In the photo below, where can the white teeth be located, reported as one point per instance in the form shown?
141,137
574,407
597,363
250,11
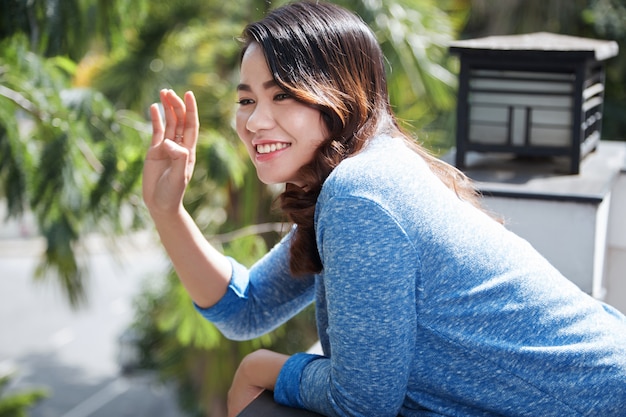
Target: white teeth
271,147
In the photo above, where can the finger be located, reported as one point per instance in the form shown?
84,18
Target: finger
157,125
180,108
192,125
178,112
168,111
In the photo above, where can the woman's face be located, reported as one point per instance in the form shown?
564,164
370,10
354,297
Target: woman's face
280,133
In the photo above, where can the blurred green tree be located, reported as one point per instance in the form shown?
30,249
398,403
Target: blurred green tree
76,76
16,404
608,20
66,153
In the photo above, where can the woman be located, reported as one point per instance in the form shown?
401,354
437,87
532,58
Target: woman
425,305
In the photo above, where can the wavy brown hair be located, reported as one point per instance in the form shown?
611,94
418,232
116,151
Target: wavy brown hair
328,58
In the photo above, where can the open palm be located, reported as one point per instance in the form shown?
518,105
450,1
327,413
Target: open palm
171,157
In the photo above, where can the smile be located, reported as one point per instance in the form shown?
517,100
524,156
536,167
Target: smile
271,147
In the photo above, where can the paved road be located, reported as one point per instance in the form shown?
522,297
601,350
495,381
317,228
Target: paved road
74,353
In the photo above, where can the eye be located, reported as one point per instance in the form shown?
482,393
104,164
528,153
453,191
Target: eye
282,96
244,101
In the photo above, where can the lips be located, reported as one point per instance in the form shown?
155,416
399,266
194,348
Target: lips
266,148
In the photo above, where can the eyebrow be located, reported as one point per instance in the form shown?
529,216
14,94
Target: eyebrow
266,85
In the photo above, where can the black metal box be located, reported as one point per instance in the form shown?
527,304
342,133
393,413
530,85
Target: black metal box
539,94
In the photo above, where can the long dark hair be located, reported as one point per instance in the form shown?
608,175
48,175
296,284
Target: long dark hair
327,57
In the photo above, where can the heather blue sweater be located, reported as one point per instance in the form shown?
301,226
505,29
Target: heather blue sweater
426,306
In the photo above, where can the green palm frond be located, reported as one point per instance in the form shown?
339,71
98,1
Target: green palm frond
68,156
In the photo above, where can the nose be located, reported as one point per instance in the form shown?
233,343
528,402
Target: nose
261,118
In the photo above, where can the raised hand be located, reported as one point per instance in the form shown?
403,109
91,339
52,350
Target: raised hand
171,157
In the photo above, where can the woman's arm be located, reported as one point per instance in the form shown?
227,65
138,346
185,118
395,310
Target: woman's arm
242,303
168,167
262,297
370,273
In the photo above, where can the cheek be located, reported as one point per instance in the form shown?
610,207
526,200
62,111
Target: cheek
311,121
240,125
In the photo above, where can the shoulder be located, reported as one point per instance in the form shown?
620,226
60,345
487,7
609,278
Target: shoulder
386,183
393,181
382,167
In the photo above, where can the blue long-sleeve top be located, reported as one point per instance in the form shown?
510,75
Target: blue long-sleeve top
426,306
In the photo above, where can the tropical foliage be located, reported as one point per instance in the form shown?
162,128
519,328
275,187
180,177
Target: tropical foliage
77,76
16,404
67,154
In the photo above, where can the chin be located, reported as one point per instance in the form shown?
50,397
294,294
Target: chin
268,181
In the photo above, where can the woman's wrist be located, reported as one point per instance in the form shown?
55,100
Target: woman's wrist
168,217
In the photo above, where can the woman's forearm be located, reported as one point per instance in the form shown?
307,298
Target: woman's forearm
202,269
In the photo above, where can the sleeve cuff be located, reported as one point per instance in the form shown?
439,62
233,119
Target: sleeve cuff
228,304
287,388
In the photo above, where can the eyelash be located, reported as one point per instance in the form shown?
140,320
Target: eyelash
282,96
277,97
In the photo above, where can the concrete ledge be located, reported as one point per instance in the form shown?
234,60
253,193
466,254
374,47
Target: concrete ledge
543,178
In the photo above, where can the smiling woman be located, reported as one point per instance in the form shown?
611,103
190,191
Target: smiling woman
425,304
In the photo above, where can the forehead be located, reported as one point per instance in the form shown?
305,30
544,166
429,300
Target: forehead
253,63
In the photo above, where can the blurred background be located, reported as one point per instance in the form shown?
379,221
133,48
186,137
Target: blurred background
92,320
